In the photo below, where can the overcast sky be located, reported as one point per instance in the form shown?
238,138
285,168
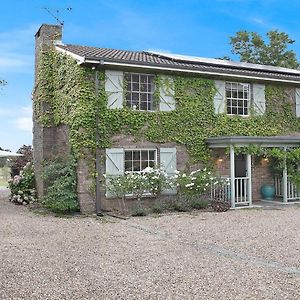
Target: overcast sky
190,27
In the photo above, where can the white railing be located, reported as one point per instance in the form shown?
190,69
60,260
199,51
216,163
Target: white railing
223,190
241,190
292,191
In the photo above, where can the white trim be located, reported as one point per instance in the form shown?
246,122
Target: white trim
192,71
232,177
141,149
80,59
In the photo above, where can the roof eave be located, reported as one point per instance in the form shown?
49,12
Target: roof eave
88,60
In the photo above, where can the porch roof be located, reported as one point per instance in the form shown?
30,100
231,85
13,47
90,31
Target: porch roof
244,141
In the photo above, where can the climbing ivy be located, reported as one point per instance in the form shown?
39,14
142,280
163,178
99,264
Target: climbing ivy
66,95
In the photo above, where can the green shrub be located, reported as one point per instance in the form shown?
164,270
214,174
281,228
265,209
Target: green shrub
180,206
61,196
139,211
199,203
158,208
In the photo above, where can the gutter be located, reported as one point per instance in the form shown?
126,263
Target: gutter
181,70
89,60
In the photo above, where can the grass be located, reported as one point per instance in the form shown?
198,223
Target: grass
3,182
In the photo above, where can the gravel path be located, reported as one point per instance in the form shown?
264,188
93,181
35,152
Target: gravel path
243,254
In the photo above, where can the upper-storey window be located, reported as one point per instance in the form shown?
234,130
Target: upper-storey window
238,98
140,91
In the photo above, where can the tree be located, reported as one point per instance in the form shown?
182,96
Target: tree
17,163
3,159
252,48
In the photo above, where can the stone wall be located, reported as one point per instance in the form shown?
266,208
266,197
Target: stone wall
48,142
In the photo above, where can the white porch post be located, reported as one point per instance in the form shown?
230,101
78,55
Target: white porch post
232,177
285,181
249,175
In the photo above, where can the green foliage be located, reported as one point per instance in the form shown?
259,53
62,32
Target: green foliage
158,208
66,95
251,47
60,176
139,211
22,187
197,203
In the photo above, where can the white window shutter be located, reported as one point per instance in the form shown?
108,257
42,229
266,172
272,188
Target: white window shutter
166,92
220,97
297,90
114,164
168,163
259,99
114,88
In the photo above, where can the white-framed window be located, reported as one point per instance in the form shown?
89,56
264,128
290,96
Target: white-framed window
136,160
140,91
120,160
238,97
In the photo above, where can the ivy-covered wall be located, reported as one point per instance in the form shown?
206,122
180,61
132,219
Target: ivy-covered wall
68,91
66,94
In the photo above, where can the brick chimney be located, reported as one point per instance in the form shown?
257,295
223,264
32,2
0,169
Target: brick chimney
47,141
46,36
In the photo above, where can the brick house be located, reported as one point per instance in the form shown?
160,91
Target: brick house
131,84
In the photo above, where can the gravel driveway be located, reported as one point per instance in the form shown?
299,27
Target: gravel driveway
242,254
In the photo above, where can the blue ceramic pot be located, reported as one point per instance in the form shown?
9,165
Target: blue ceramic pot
267,192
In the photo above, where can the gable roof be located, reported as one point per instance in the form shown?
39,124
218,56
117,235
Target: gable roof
179,63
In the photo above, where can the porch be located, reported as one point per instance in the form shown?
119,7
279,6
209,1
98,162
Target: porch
243,180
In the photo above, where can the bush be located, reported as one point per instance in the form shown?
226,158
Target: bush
199,203
22,186
180,206
158,208
139,211
61,196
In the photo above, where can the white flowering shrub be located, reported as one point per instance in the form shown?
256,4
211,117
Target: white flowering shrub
197,182
22,186
136,184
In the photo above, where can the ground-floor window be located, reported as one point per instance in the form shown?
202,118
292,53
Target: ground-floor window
138,160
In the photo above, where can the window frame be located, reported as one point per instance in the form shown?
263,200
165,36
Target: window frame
237,99
139,91
141,149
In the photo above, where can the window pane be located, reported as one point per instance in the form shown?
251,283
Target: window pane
136,155
135,87
151,154
143,87
143,106
144,97
143,78
240,111
135,96
144,164
135,78
128,155
128,165
144,154
136,166
234,111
